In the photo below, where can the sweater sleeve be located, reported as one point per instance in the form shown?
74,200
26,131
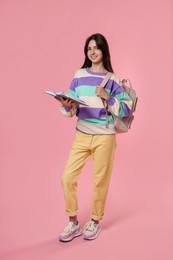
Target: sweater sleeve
119,103
70,112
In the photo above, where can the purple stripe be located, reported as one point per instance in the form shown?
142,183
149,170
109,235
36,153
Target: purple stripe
89,81
87,112
67,109
116,89
127,110
111,101
74,84
96,81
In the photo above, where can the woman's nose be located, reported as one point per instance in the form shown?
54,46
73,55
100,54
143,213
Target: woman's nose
92,51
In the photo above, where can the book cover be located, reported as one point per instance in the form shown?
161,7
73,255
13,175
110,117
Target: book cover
66,96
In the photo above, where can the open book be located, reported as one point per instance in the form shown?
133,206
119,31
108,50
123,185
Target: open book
66,96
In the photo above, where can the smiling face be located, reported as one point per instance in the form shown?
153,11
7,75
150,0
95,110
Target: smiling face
94,53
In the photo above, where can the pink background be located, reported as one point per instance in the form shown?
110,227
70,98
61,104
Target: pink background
41,46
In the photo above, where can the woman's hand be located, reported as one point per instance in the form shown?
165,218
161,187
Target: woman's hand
68,103
101,92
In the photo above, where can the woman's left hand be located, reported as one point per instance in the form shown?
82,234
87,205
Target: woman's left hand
101,92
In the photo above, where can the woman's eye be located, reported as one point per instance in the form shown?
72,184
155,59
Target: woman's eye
95,48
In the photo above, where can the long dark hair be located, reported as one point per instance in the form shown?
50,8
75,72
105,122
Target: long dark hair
103,46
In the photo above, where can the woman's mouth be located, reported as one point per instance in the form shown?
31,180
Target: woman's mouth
93,57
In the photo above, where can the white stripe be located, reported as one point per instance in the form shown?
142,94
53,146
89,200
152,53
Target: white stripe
115,108
93,102
83,73
94,129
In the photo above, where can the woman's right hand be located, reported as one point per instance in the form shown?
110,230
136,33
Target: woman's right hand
68,103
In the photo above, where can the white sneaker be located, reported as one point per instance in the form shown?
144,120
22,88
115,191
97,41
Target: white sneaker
71,231
92,230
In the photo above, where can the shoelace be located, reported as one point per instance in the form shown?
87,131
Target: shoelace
68,227
90,226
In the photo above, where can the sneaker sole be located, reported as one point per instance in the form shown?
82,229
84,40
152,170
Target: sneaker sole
94,237
72,237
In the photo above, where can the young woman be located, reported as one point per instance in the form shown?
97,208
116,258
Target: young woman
92,138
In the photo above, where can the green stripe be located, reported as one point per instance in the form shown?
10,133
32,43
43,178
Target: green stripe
86,90
123,96
72,93
101,121
121,112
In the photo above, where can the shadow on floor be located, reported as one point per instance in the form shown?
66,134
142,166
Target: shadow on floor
44,250
116,218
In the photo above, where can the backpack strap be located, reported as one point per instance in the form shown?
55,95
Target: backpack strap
104,82
106,79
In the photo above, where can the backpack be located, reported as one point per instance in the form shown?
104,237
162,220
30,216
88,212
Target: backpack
122,125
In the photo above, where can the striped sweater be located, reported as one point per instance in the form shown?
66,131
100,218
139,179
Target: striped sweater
92,118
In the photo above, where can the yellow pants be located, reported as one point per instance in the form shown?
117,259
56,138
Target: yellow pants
101,148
